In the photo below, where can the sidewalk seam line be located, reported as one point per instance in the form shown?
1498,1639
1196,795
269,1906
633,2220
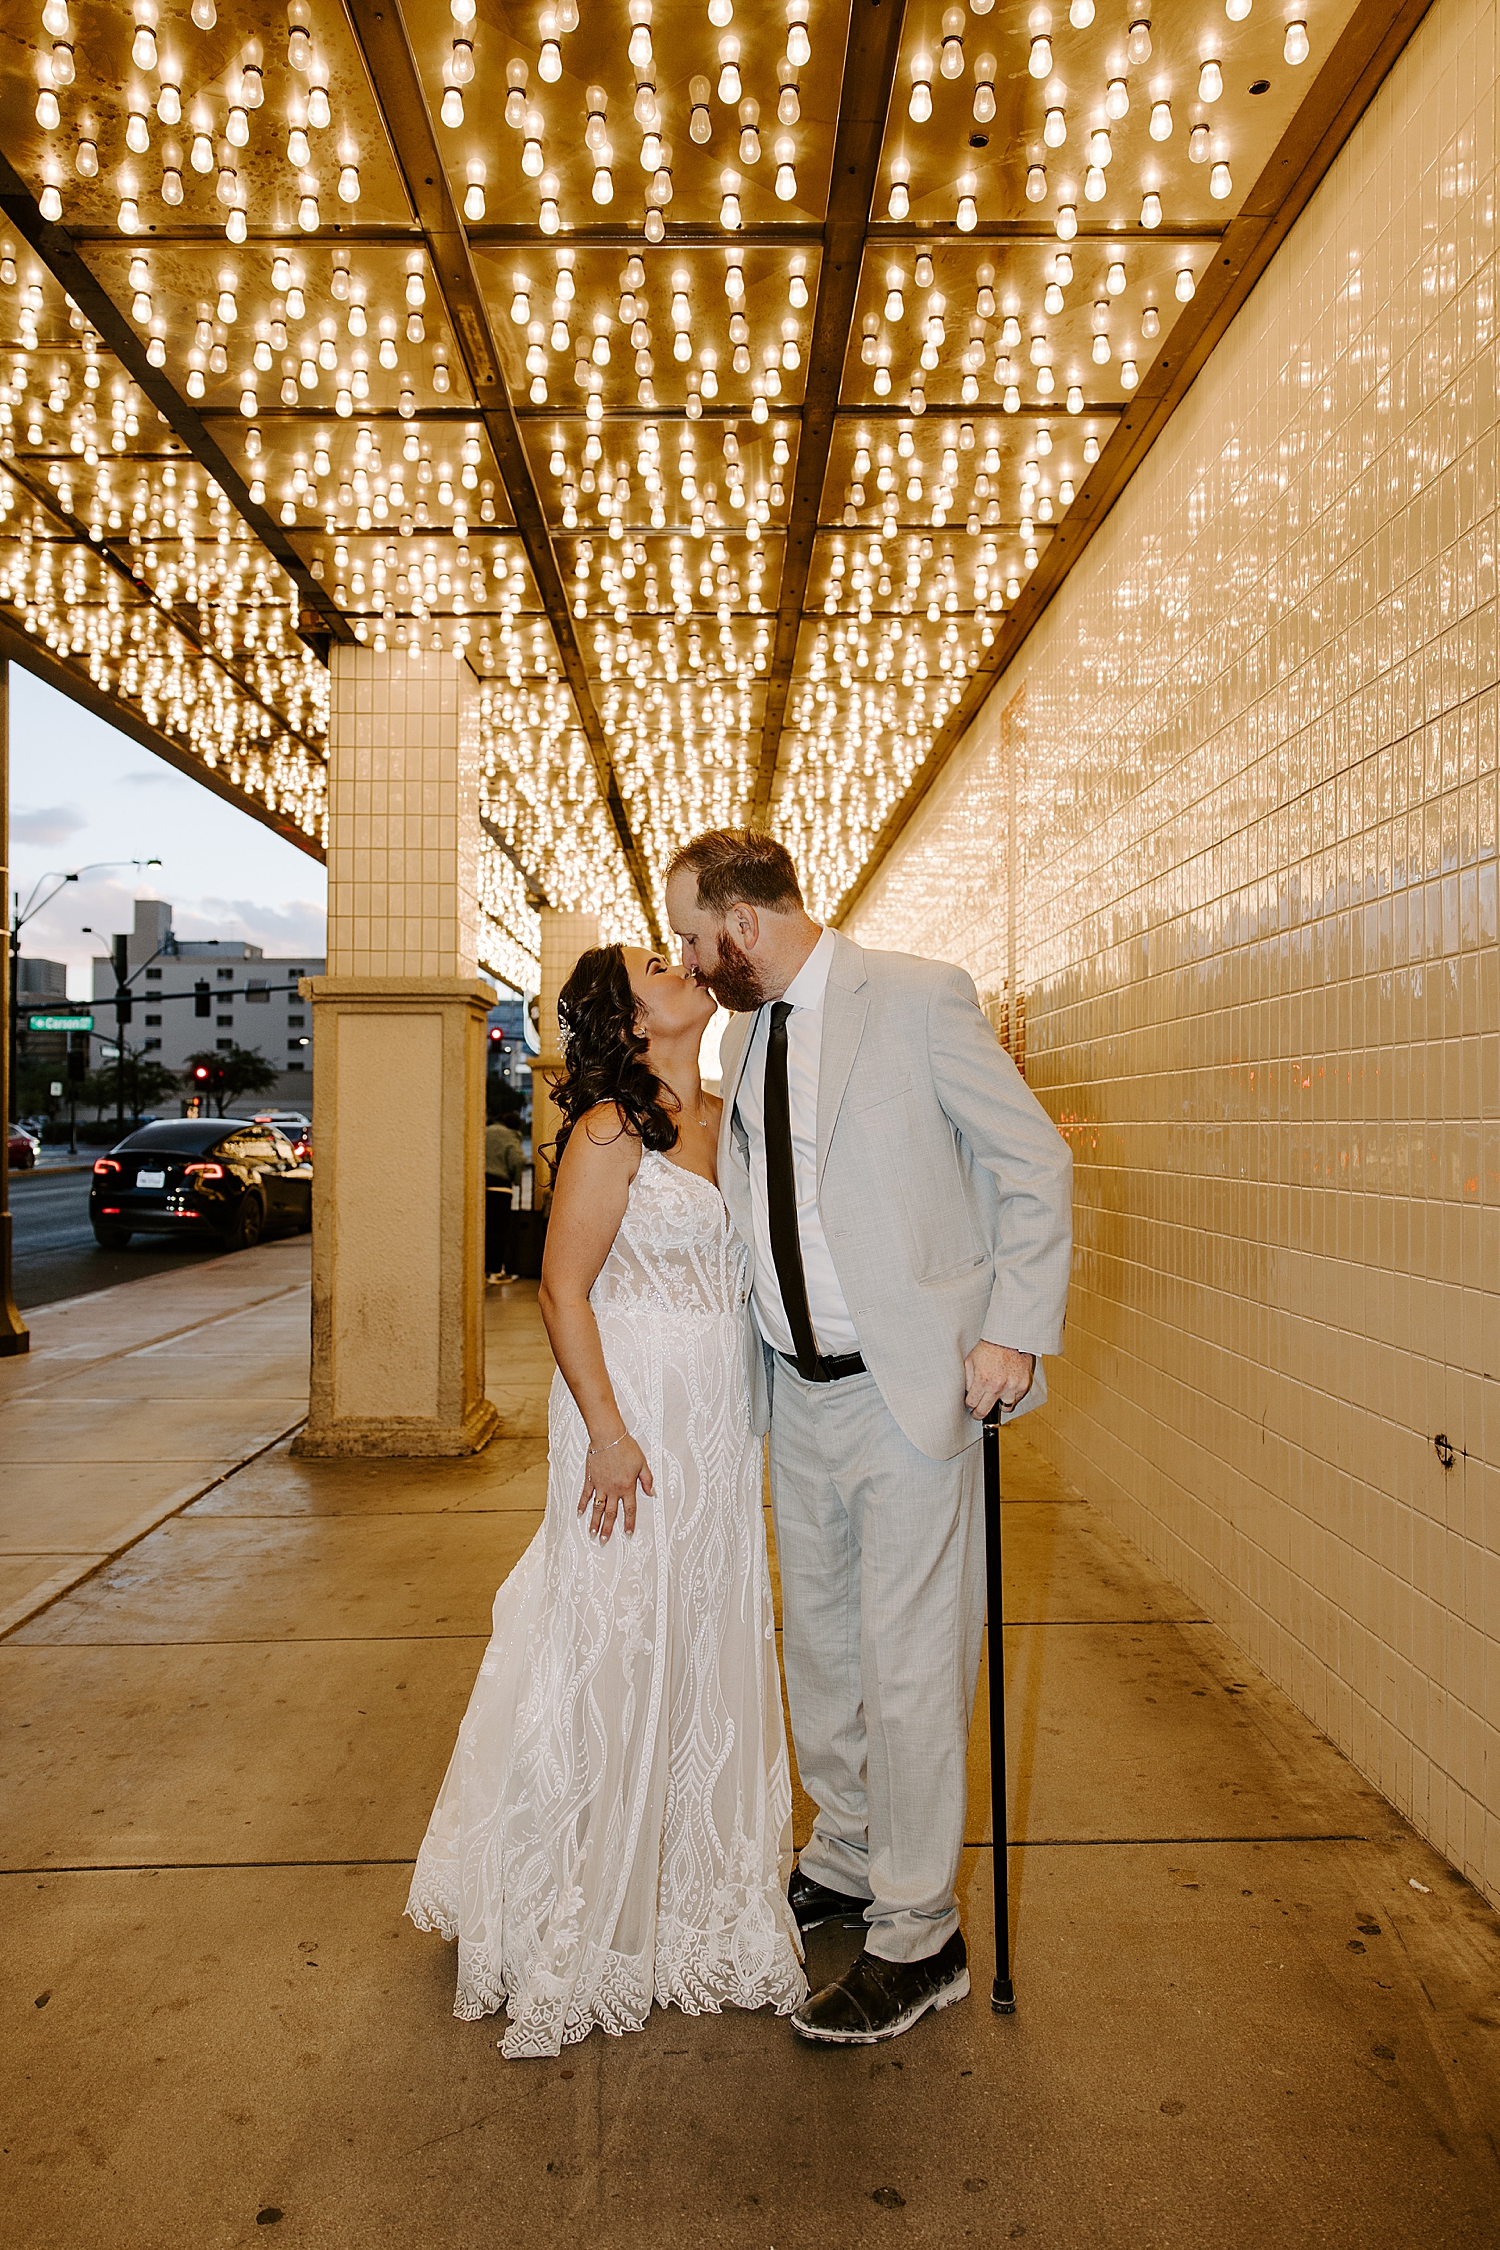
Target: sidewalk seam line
125,1546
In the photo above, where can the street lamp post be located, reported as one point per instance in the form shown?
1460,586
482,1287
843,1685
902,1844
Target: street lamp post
59,878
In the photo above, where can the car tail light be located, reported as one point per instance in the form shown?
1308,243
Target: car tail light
204,1171
106,1164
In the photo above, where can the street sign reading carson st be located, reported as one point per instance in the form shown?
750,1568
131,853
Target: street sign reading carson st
60,1023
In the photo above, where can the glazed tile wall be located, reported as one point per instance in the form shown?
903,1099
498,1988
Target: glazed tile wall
403,845
1255,932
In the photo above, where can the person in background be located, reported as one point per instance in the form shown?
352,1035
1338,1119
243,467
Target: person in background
502,1176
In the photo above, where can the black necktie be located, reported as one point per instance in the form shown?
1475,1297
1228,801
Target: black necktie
781,1194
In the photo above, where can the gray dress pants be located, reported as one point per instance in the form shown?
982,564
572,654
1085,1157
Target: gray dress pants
882,1589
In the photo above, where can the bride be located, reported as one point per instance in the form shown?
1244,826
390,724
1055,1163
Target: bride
615,1823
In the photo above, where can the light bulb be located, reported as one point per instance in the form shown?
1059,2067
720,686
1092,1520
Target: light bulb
349,184
236,128
1128,375
205,14
1101,351
984,100
129,218
1094,184
604,186
143,47
531,159
1039,61
1198,145
1186,285
951,60
1075,406
1236,10
786,184
1052,301
1114,280
1138,45
62,64
48,115
1055,130
1100,147
234,225
1091,450
1151,210
452,110
1161,121
318,111
169,104
1220,182
87,161
919,108
729,212
548,218
462,62
798,46
1150,321
968,216
1067,222
55,18
720,12
1296,46
50,205
298,154
307,214
1081,14
899,202
1117,99
1210,82
1036,184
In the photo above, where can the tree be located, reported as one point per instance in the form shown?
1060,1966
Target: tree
222,1074
146,1083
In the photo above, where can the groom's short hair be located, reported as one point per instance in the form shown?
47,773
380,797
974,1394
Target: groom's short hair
738,865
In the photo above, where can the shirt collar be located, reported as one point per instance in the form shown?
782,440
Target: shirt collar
811,981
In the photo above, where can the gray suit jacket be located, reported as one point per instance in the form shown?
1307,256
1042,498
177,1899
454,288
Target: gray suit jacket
945,1189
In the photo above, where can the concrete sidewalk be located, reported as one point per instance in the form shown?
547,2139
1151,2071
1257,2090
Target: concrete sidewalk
1256,2011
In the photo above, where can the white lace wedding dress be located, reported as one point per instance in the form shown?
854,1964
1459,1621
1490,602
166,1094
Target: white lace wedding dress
615,1823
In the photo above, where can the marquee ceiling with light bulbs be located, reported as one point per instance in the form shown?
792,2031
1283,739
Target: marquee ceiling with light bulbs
729,385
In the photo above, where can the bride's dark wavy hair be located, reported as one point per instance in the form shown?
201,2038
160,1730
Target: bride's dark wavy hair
604,1054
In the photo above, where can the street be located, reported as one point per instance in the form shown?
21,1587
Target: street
55,1255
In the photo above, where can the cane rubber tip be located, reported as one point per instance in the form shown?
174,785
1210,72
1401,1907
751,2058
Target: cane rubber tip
1002,1997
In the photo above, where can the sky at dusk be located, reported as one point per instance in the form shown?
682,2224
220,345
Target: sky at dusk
81,793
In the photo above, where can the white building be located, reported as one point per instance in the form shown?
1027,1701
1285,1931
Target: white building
251,1001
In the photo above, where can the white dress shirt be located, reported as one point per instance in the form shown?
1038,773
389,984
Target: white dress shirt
832,1327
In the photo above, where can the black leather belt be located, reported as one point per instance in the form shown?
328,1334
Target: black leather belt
826,1370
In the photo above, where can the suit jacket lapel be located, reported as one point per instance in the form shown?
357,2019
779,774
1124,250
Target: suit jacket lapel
733,1049
846,1003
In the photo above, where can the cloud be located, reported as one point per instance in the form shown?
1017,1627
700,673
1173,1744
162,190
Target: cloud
296,925
47,824
147,778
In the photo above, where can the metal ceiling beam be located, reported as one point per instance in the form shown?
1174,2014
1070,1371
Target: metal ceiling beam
55,246
396,84
59,673
864,100
1343,89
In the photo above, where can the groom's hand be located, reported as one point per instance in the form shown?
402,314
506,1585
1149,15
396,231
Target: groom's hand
994,1371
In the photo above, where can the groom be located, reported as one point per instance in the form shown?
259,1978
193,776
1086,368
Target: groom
907,1205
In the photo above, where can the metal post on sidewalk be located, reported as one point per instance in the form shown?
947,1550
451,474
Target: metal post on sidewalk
1002,1995
14,1335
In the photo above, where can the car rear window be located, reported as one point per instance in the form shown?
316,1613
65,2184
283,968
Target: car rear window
180,1136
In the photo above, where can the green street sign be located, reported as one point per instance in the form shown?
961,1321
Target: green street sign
60,1023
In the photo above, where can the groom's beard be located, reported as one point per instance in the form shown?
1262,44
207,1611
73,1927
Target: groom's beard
733,981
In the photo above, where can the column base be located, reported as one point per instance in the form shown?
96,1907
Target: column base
397,1437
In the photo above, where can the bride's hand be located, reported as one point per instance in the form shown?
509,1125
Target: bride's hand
610,1477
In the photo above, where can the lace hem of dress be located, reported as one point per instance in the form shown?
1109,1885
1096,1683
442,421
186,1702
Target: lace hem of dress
749,1962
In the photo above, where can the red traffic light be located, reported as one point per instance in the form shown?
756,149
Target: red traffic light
200,1073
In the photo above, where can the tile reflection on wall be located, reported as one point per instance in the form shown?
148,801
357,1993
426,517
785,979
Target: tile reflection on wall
1256,940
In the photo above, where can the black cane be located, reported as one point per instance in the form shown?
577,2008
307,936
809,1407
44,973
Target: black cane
1003,1995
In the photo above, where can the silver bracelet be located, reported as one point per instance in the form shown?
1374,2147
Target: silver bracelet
620,1440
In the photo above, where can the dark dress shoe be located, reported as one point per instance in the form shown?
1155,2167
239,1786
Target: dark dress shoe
813,1904
881,1999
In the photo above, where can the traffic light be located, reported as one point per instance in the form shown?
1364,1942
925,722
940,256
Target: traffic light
123,1006
202,1003
78,1057
200,1075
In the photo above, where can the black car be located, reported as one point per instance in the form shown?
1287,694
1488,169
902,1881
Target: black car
221,1177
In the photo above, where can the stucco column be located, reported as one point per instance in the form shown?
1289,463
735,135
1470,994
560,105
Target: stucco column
398,1064
564,936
